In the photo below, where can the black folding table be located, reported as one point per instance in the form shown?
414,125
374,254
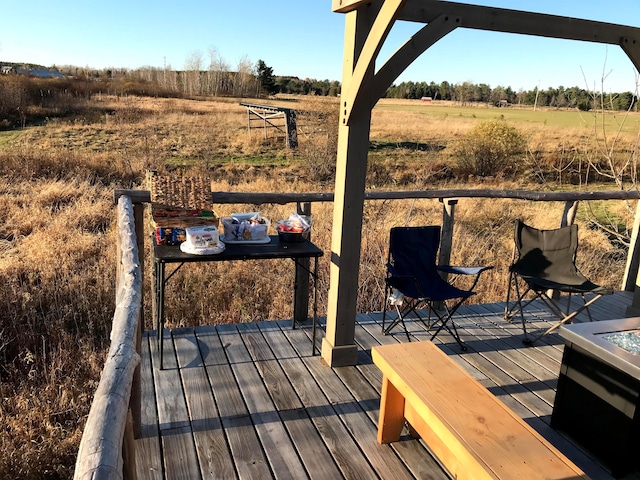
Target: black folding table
275,249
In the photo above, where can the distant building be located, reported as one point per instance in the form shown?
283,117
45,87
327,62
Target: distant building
426,99
40,73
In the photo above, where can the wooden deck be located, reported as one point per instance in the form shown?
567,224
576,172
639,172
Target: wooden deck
249,401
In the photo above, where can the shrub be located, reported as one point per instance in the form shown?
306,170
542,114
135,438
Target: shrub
490,149
318,135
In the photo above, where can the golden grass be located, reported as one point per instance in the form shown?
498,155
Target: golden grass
57,254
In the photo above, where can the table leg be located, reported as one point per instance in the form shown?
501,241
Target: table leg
160,321
296,279
315,305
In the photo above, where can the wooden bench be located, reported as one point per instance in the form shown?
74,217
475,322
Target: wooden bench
472,433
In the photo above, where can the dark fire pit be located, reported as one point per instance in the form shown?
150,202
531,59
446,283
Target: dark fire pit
599,390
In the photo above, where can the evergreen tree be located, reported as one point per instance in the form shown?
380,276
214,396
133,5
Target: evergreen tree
267,80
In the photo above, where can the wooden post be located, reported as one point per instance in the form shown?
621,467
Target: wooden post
301,301
446,236
630,279
338,346
568,218
292,129
135,402
129,450
569,213
366,28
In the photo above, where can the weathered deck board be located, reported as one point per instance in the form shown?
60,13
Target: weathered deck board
346,458
246,451
211,446
148,445
249,401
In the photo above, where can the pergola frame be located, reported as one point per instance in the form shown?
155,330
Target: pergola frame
367,25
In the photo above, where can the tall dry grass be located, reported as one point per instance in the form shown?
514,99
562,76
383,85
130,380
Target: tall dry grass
57,255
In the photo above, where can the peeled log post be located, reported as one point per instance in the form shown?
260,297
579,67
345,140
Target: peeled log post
569,213
446,236
101,448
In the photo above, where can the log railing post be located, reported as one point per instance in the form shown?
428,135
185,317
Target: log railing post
301,290
129,450
568,217
569,213
630,279
446,235
135,402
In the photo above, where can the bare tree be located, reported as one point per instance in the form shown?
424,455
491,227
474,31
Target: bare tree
218,73
193,67
611,156
245,77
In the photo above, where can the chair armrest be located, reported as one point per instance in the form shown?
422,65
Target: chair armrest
463,270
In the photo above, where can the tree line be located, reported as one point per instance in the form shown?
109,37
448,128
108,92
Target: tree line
559,97
248,79
214,76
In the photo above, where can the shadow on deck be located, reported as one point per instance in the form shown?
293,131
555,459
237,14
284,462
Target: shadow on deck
249,400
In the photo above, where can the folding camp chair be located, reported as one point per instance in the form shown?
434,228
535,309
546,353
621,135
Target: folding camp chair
543,262
413,280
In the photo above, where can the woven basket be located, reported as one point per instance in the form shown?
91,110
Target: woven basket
189,193
180,202
184,222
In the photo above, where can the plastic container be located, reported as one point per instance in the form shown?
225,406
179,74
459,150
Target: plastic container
293,236
295,229
245,227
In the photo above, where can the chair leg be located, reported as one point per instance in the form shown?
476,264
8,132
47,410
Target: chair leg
399,319
507,315
510,312
385,301
586,307
563,318
444,321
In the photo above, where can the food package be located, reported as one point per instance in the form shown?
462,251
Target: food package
294,229
203,236
170,235
245,227
295,224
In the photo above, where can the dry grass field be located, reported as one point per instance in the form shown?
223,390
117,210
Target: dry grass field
57,229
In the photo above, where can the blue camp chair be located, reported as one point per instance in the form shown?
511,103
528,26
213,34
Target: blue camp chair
414,281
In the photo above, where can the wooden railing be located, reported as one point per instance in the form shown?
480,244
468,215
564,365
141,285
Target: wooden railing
107,446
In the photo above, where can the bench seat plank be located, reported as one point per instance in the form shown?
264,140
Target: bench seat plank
467,428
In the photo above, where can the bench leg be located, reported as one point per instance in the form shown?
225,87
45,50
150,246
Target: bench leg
391,413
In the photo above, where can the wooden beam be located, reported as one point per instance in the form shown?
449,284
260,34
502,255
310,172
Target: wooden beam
346,6
411,50
358,90
631,46
517,21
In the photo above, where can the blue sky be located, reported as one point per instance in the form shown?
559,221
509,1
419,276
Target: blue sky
304,38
